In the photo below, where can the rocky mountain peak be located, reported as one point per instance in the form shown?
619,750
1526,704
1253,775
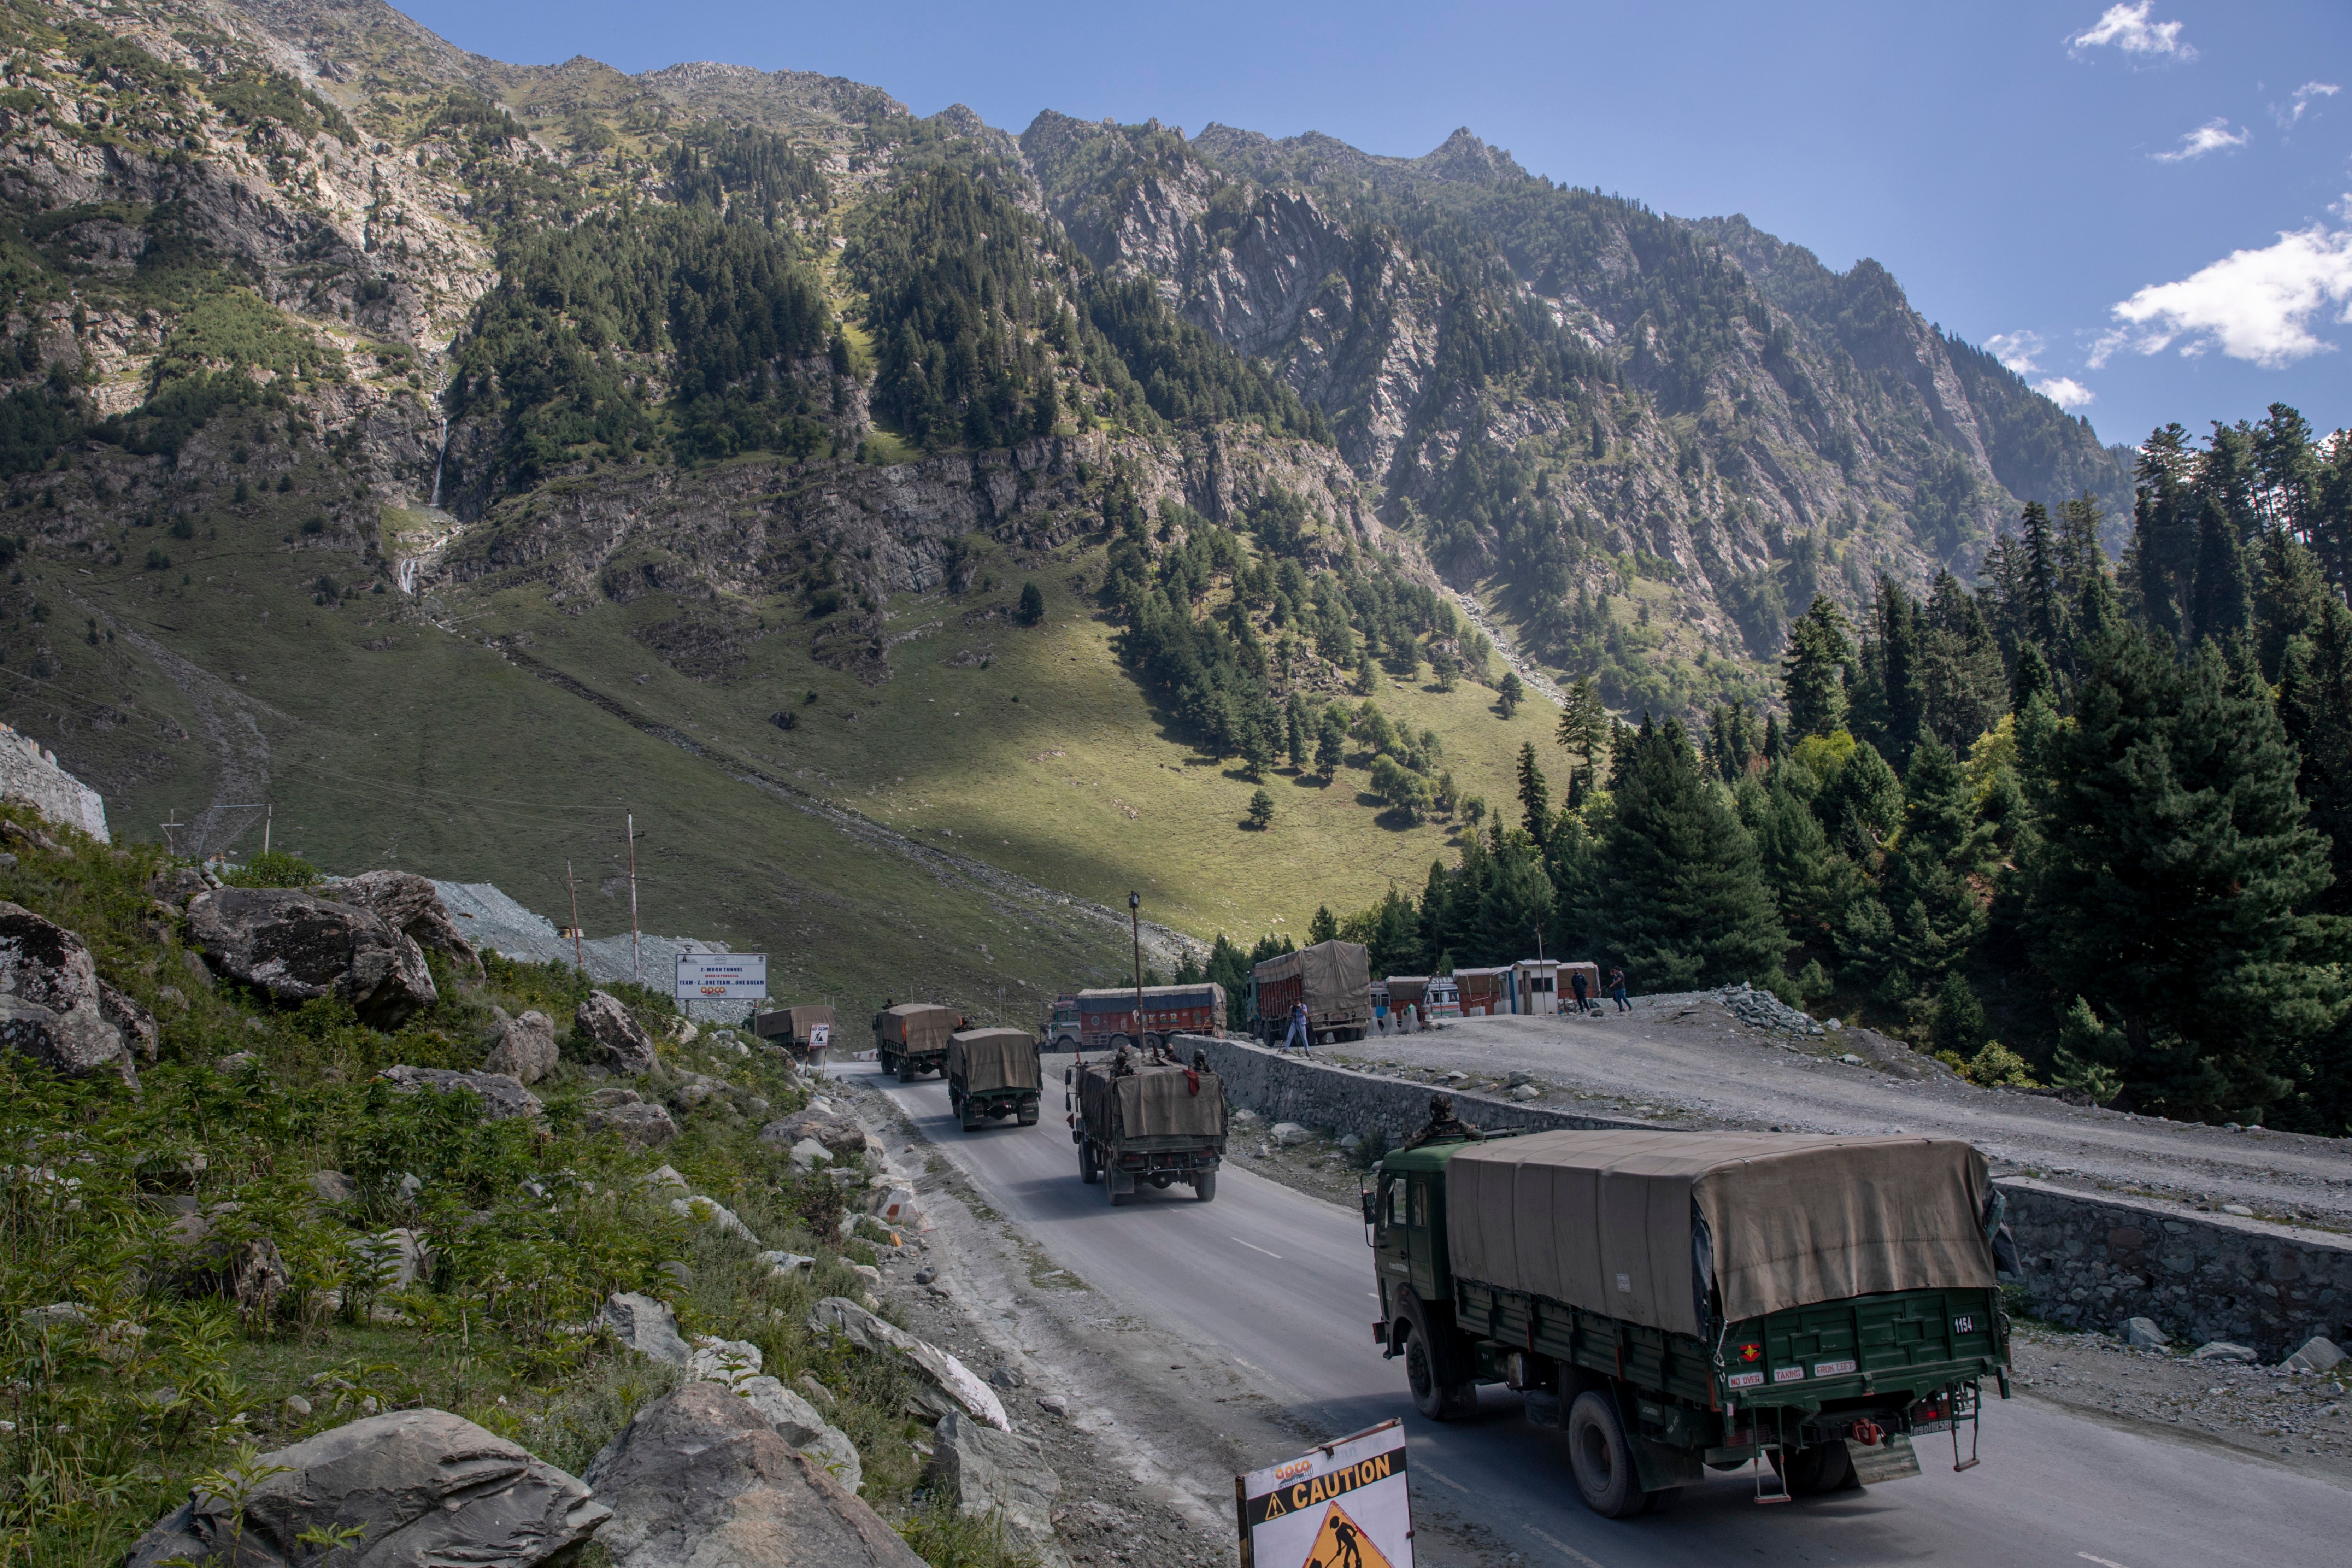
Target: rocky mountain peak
1462,157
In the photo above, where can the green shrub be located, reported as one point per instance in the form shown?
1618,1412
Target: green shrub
276,868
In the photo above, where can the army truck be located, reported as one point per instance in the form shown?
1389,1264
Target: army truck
805,1030
992,1074
912,1038
1156,1125
1678,1301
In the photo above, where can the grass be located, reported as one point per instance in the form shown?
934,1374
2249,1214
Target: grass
156,1379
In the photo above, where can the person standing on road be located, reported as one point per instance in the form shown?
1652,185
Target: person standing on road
1576,983
1297,1027
1617,990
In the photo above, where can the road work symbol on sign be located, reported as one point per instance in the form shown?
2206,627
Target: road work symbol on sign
1345,1505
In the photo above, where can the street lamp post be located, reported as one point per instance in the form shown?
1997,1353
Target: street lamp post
1135,930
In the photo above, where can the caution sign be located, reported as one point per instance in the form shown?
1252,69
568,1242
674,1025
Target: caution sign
1345,1505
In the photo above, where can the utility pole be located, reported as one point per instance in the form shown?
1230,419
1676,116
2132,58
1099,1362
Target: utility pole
169,845
1135,929
266,812
636,968
579,958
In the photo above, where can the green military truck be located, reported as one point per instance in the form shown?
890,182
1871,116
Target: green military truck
1678,1301
912,1038
1154,1125
992,1074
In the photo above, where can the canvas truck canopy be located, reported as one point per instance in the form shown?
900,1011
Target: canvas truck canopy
791,1023
993,1059
1337,979
1407,990
1153,1102
919,1025
1632,1224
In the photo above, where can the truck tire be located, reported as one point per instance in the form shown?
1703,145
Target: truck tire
1087,1170
1204,1187
882,1061
1426,1369
1811,1472
1602,1457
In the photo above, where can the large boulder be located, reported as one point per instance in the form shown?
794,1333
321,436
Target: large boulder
983,1472
643,1124
798,1423
425,1486
410,904
502,1097
840,1315
525,1048
841,1135
645,1326
614,1036
700,1478
296,946
65,1017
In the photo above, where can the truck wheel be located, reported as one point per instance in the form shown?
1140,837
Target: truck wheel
1438,1401
1028,1117
1603,1457
1204,1187
882,1061
1809,1473
1087,1170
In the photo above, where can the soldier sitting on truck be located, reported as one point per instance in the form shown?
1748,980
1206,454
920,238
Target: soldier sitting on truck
1122,1065
1442,1125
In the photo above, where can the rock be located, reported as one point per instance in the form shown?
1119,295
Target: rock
860,1327
2318,1355
602,1098
236,1062
808,1153
646,1326
175,885
193,963
2143,1333
796,1421
2224,1350
982,1472
502,1097
1526,1091
662,1177
296,947
1517,1079
700,1480
409,904
1053,1404
678,1273
332,1187
818,1392
612,1035
398,1258
294,1408
646,1126
1351,1142
257,1275
727,1361
56,1314
893,1205
63,1015
2240,1210
1008,1377
787,1262
525,1050
1289,1134
426,1487
840,1135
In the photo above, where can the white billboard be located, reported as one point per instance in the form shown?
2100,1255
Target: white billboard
1343,1506
722,977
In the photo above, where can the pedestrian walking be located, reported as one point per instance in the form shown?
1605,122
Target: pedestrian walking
1576,983
1297,1027
1617,990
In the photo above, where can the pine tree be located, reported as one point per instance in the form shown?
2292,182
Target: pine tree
1518,907
1814,669
1583,726
1932,904
2172,885
2224,596
1535,796
1811,883
1033,604
1510,694
1324,926
1684,903
1261,810
1330,747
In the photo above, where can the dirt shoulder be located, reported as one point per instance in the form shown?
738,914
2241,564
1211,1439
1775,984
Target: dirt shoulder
1689,1061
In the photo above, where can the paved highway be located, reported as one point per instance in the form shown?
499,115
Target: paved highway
1281,1283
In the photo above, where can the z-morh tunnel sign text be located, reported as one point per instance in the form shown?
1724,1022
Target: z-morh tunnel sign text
723,976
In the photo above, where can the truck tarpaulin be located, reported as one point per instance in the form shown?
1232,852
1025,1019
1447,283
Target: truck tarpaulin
1631,1224
1332,978
1153,1102
791,1023
919,1025
987,1059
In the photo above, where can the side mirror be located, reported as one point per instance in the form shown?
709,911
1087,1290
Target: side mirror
1070,1076
1371,1198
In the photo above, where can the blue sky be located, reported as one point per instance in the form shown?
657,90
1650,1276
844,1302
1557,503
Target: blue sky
2146,207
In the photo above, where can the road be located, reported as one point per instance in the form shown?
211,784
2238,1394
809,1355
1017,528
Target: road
1281,1282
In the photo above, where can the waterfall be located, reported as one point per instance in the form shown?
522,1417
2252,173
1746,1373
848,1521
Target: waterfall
440,460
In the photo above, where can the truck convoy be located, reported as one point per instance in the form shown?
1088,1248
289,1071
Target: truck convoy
1105,1020
1685,1300
1157,1124
1332,978
992,1074
912,1038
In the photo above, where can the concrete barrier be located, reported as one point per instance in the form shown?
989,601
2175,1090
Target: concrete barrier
29,772
2091,1259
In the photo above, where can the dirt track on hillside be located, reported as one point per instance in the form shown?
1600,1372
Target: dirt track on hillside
1687,1061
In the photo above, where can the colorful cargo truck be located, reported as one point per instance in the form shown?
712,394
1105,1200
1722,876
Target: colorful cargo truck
1679,1302
1105,1019
1332,978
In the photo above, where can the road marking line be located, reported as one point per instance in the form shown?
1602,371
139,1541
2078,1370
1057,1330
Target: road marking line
2102,1562
1256,1247
1441,1476
1562,1546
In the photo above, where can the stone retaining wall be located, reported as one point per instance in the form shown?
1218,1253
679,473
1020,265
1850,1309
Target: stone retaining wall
29,772
2091,1259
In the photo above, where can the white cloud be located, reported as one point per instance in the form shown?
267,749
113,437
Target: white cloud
2302,100
2213,136
2128,29
2018,350
2255,305
2066,392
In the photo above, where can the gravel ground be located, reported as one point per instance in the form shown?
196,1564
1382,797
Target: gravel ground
1689,1061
